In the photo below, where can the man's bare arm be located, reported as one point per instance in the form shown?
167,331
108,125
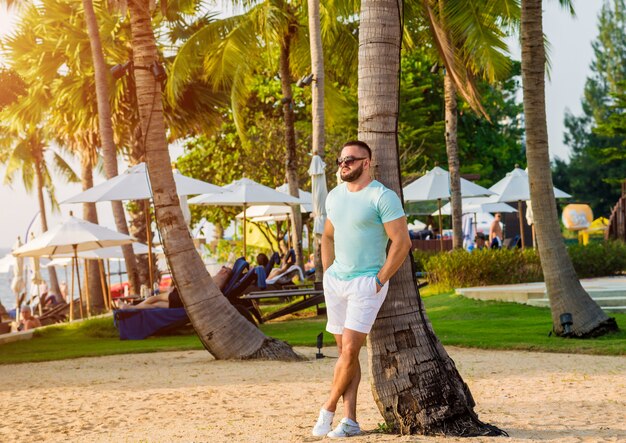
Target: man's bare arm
398,233
328,245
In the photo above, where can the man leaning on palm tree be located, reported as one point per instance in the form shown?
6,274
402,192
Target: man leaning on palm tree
363,215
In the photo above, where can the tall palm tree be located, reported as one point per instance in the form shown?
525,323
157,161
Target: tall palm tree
105,125
228,52
469,45
415,383
222,330
565,292
317,68
23,152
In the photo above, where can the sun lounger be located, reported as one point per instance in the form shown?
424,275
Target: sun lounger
137,324
286,276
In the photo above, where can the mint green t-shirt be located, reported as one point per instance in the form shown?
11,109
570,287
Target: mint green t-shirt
360,237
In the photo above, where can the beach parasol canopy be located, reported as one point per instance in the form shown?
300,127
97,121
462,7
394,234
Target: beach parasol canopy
73,235
278,212
515,187
245,192
478,205
317,171
134,184
114,252
435,185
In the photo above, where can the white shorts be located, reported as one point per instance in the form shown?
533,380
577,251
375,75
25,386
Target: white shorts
352,304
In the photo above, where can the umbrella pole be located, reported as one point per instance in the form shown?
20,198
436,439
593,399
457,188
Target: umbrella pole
39,301
87,294
149,241
71,294
105,295
244,231
521,222
440,226
80,291
108,263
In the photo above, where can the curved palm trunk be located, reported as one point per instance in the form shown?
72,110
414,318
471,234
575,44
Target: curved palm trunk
92,281
565,292
222,330
109,153
452,151
290,142
52,274
415,383
317,94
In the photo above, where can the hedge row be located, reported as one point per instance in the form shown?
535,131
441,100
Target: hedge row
460,268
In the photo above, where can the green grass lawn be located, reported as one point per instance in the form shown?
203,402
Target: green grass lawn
457,321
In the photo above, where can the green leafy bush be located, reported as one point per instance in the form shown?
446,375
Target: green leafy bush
598,259
459,268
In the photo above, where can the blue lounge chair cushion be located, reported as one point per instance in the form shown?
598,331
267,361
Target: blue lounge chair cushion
137,324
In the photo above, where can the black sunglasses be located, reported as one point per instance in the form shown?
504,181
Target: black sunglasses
348,161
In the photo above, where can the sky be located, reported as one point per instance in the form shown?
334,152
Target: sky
570,53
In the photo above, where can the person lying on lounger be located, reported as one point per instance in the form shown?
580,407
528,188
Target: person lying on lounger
286,262
172,299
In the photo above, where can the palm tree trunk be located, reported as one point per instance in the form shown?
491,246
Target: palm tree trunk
223,331
136,210
52,274
317,94
452,150
109,152
415,383
96,297
565,292
290,142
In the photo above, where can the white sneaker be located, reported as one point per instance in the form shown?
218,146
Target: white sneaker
345,428
324,423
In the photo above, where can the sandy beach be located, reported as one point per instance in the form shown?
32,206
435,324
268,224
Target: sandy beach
188,396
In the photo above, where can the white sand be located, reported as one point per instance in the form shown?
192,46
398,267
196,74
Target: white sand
188,396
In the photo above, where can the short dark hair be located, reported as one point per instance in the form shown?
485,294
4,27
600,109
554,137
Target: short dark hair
361,145
262,259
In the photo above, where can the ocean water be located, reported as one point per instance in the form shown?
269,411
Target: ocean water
7,297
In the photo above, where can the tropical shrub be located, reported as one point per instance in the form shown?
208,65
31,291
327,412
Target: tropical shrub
598,259
459,268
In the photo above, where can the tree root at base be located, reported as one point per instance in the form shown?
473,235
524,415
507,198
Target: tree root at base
605,327
466,426
273,349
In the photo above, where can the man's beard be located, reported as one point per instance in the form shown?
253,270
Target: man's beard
353,174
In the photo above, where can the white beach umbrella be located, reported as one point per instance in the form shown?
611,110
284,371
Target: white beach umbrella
278,212
515,186
134,184
17,283
245,192
478,205
435,185
73,235
317,171
114,252
59,261
70,237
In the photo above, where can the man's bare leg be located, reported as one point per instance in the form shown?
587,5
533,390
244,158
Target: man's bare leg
347,372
